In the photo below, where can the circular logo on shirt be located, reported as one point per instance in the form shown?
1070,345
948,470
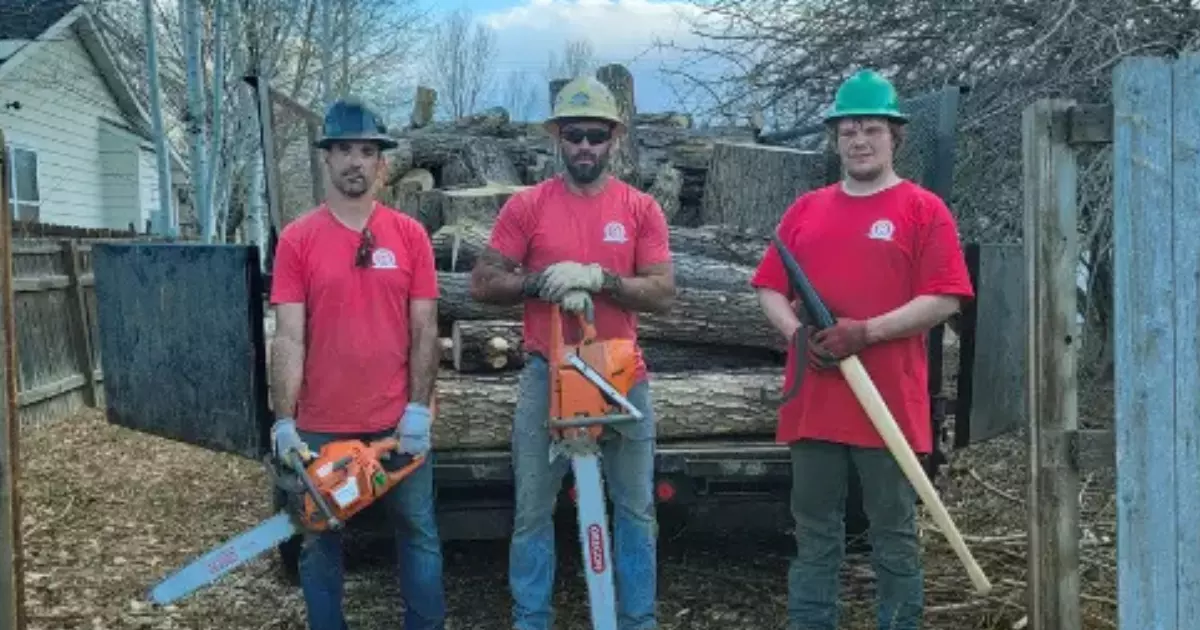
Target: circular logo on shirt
383,258
882,230
614,232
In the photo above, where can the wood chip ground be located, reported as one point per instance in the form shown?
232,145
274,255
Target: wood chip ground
107,512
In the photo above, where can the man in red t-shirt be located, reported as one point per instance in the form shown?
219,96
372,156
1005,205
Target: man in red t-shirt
883,254
586,241
355,355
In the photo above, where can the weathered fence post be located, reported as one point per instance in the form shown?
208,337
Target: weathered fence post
1156,206
77,320
11,587
1051,252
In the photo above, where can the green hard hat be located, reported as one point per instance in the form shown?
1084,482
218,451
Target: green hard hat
867,93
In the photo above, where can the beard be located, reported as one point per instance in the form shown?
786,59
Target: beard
352,184
587,173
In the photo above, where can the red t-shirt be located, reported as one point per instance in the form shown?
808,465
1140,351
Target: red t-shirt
866,256
357,328
622,229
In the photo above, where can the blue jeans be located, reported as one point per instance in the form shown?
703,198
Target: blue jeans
418,549
627,457
820,472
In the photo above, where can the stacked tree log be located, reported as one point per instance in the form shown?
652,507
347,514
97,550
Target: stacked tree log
715,362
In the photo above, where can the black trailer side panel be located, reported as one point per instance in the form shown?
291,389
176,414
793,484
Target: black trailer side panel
182,342
993,336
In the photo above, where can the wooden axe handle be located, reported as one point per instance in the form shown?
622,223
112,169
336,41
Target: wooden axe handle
868,395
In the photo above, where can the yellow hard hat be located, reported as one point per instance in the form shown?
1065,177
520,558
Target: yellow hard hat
585,97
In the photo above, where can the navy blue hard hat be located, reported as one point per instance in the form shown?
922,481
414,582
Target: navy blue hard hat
350,120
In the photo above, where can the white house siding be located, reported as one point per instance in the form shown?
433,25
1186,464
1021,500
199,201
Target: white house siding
148,185
119,175
63,100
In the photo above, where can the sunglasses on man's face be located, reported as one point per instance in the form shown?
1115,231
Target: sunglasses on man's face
365,246
594,136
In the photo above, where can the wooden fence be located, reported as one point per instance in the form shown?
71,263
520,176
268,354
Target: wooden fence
1153,125
1156,246
55,306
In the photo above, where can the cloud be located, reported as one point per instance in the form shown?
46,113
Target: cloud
620,31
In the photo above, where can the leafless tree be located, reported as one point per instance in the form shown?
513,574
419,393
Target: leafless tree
372,49
578,58
521,95
459,62
786,57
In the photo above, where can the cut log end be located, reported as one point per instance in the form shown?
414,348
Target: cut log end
487,345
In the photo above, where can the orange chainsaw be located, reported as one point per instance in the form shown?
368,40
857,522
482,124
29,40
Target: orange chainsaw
589,383
345,478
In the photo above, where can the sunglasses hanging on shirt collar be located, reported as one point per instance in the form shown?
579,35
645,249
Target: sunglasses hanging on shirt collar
366,245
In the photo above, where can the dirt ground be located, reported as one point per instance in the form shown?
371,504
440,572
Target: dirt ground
107,512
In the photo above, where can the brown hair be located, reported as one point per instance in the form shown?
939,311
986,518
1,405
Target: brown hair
897,130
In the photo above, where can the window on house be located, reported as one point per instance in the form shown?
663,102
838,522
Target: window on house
24,194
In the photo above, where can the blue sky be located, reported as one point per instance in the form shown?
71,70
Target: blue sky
622,31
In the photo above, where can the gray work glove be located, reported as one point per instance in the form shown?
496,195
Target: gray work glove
286,440
413,431
578,301
562,277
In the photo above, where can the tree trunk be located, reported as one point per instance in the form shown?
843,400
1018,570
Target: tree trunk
720,318
487,345
423,104
697,272
457,247
478,205
455,301
664,357
691,270
702,316
476,411
496,345
722,242
668,183
624,157
464,160
751,185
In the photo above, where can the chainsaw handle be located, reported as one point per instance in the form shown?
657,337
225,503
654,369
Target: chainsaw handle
389,447
396,476
586,323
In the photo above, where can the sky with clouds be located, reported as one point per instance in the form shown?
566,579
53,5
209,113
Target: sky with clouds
621,31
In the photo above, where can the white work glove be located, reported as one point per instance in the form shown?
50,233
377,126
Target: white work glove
578,301
562,277
413,430
285,439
